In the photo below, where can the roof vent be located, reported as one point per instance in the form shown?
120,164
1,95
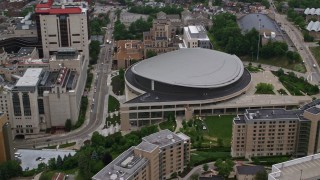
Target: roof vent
169,136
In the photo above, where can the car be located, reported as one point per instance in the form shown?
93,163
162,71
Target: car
95,90
301,48
314,65
48,140
38,158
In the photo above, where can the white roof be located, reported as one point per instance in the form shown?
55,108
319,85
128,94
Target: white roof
313,26
192,67
30,77
312,11
193,29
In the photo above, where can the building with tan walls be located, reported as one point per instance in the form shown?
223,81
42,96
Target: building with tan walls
6,147
158,156
269,132
126,53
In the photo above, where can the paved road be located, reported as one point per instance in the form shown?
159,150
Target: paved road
96,115
297,38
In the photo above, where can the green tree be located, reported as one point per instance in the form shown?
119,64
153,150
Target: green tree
84,166
194,176
10,169
205,167
225,167
97,139
261,175
94,50
52,164
150,53
68,125
59,162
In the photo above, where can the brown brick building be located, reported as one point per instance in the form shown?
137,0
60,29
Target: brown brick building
267,132
158,156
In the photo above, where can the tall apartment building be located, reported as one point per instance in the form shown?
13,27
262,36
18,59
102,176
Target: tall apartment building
196,36
6,148
62,24
157,157
267,132
44,99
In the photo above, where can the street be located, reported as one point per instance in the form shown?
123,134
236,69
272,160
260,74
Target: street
297,38
96,119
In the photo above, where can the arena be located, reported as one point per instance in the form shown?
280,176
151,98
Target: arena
180,82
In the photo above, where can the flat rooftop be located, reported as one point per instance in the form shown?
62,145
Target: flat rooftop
162,138
123,167
25,51
250,21
146,146
29,78
301,168
272,114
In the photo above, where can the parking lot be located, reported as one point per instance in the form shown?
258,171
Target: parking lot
31,158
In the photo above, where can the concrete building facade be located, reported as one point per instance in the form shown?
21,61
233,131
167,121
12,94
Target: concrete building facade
268,132
44,99
62,24
158,156
196,36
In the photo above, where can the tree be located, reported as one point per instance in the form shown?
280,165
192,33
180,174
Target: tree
94,156
68,125
59,162
205,167
261,175
194,176
220,142
97,139
151,53
10,169
52,163
84,166
225,167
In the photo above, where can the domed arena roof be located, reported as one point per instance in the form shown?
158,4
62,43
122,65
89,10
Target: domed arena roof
195,67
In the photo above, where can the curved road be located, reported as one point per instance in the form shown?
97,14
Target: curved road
96,115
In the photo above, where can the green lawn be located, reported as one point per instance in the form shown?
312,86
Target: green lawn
316,53
171,125
200,157
61,146
220,127
280,62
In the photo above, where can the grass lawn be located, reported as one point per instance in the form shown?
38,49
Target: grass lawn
171,125
113,104
199,157
316,53
62,145
268,161
220,127
280,62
